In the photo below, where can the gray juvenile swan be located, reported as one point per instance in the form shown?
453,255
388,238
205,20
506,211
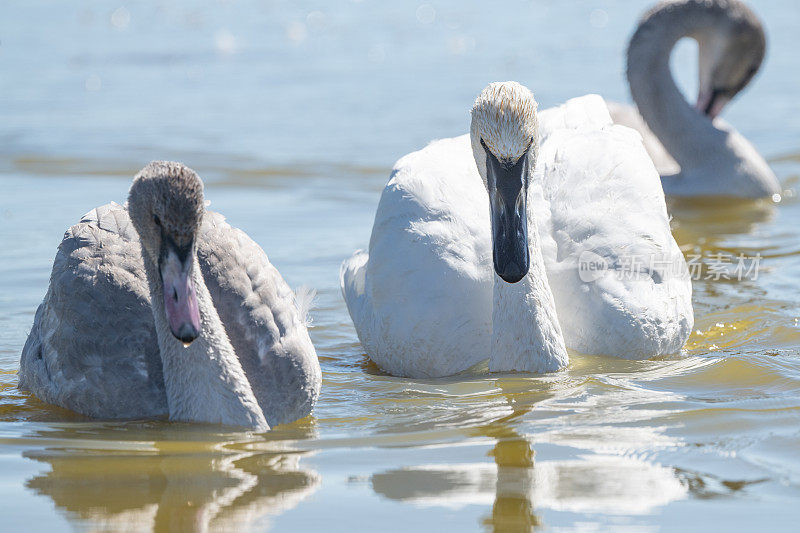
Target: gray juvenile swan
165,309
697,153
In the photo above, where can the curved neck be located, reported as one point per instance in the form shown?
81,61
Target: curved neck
526,335
204,381
687,135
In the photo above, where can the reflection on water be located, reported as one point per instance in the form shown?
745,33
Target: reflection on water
516,486
702,224
169,485
606,440
293,114
515,499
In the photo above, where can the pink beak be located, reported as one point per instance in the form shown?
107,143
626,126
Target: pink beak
711,103
180,298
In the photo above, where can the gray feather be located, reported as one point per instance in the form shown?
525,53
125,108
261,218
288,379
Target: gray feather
93,347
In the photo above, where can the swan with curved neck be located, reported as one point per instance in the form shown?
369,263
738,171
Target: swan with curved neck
162,308
479,240
704,155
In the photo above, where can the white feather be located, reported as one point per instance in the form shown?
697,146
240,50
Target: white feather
304,300
421,299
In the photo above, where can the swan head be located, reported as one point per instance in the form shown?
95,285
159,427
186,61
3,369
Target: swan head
730,52
504,142
166,207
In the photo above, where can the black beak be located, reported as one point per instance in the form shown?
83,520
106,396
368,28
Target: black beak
720,96
715,96
508,188
717,99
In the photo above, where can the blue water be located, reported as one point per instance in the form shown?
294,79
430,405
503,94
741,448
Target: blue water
293,113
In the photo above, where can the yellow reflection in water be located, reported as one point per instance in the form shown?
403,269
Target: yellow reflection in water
605,480
170,485
586,441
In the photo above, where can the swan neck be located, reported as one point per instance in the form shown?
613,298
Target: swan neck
685,133
526,335
204,381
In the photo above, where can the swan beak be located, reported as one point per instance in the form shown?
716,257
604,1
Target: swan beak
180,298
508,191
712,102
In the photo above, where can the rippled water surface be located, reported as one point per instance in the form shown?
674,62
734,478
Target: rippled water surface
293,113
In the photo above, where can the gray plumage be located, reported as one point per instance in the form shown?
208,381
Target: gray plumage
696,151
93,347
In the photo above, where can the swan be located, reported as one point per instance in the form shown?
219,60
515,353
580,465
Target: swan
162,308
478,241
696,152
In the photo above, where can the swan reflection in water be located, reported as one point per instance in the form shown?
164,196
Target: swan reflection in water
172,484
515,487
587,475
706,224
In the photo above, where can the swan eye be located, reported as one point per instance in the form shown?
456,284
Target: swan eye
156,220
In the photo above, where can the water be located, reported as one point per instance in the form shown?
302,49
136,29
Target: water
293,113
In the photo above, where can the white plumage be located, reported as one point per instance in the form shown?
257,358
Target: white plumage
421,299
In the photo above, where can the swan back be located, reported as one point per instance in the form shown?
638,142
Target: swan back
428,256
84,354
262,319
599,200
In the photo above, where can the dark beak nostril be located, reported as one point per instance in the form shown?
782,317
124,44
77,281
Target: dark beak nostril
174,294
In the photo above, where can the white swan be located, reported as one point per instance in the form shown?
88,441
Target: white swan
165,309
427,301
696,152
